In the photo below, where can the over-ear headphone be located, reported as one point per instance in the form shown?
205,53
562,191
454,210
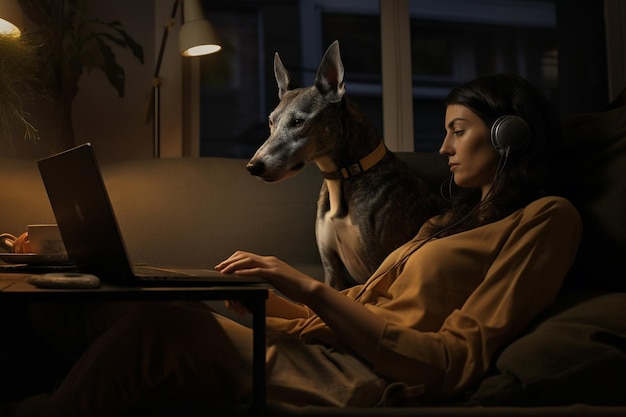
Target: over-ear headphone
509,134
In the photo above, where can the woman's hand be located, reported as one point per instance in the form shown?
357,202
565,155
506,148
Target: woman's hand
360,328
286,279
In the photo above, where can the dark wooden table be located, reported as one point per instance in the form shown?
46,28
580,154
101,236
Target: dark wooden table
15,287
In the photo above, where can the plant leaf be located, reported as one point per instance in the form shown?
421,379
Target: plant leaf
134,46
114,72
126,40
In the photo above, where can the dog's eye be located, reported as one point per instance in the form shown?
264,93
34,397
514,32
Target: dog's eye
298,122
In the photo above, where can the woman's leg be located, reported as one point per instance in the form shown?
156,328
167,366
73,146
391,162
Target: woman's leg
160,359
71,327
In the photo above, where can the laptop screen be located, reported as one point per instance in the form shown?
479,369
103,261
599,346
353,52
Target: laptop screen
84,213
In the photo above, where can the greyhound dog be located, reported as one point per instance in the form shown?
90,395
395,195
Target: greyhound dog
369,203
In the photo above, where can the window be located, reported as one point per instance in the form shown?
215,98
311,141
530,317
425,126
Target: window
451,42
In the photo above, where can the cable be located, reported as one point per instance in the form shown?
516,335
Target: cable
499,169
447,199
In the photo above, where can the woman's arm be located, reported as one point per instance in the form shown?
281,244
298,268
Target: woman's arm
275,306
359,328
533,250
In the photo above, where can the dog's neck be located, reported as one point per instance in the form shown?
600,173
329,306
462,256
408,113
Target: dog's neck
331,172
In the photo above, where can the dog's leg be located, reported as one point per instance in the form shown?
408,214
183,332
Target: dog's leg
335,273
338,240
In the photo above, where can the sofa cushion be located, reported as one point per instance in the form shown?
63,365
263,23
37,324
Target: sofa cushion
575,354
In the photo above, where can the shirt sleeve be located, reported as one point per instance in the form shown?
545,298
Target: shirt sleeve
523,279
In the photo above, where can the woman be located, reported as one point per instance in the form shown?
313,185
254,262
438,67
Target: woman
424,327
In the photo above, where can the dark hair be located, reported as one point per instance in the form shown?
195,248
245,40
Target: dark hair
526,175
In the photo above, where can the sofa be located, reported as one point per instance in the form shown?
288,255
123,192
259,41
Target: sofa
196,211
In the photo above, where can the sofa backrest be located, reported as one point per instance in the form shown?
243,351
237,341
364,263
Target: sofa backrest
197,211
593,166
23,198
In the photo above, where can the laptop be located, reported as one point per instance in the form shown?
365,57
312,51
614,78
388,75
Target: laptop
90,231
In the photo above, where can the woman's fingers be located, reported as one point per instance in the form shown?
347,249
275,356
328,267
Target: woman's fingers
286,279
238,262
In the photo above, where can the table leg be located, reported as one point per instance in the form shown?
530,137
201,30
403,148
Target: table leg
258,357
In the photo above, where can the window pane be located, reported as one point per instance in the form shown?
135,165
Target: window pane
453,42
238,87
231,117
359,37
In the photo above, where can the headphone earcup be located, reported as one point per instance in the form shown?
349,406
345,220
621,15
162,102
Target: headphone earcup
509,134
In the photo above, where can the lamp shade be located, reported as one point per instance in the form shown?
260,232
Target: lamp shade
10,18
197,35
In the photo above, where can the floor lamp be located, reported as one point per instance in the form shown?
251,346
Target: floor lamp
196,37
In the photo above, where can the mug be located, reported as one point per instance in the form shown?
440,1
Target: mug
45,239
42,239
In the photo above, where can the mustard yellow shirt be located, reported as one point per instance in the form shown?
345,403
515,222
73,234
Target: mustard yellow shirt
450,303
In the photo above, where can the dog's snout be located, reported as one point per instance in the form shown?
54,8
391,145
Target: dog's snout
256,168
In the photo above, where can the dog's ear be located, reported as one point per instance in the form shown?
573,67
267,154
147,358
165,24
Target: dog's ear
329,80
283,79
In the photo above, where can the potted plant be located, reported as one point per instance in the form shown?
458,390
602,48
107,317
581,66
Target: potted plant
67,44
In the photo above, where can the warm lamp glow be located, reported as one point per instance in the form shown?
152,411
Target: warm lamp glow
10,18
201,50
8,28
197,35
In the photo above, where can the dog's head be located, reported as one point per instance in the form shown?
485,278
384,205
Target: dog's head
306,122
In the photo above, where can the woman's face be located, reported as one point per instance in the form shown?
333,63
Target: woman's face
471,156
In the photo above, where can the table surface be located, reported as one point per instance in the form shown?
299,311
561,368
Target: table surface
15,286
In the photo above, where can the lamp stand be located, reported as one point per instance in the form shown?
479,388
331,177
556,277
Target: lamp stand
156,86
